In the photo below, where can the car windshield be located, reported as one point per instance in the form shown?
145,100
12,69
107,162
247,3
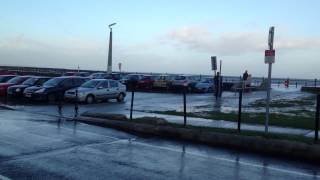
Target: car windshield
90,84
4,78
146,78
53,82
30,81
16,80
98,75
207,80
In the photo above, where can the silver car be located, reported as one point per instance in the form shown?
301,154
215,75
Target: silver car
98,89
206,85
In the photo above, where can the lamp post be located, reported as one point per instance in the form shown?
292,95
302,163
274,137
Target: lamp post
109,69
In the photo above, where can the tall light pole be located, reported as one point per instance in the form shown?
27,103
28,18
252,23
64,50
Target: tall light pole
109,69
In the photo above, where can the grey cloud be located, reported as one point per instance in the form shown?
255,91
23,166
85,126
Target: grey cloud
68,53
233,43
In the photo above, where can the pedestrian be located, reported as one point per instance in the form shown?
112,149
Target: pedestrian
286,83
245,75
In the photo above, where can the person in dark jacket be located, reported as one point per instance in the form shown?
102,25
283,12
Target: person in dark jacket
245,75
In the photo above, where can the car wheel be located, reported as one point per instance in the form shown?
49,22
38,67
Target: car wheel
89,99
120,98
209,90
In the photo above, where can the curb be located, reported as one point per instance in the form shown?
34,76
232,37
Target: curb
280,148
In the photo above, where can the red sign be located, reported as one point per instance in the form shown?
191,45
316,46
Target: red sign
269,56
270,53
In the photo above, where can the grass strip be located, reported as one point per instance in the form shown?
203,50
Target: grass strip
281,120
163,122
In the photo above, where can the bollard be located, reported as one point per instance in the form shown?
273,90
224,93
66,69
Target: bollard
76,105
316,128
131,107
315,82
278,83
184,107
296,84
240,107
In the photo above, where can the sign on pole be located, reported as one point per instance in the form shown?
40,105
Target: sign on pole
214,63
269,56
269,59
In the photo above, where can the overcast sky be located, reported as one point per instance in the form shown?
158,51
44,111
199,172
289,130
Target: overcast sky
163,36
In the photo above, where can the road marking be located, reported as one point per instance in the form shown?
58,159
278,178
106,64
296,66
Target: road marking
4,177
230,160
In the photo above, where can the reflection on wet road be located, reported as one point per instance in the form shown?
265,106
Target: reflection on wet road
34,146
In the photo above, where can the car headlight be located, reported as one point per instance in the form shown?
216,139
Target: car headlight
41,90
18,90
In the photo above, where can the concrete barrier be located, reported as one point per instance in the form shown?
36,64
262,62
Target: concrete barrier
280,148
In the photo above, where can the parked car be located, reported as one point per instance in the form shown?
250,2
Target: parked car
132,80
205,85
14,81
17,90
5,78
163,81
188,81
54,89
97,89
147,82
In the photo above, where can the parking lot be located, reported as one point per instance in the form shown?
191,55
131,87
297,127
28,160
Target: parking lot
159,104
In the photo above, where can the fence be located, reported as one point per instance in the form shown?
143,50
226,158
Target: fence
239,119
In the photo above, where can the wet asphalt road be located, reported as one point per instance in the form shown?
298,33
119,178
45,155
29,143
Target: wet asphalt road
34,146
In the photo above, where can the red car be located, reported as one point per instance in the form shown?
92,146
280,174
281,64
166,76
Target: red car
14,81
146,82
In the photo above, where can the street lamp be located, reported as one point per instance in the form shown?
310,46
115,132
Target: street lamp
109,69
